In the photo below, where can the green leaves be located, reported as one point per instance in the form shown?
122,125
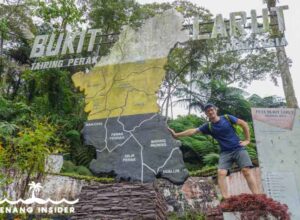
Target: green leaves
230,100
59,13
266,102
71,168
211,159
3,28
27,151
7,129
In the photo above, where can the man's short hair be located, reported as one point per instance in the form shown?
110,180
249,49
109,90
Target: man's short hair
209,105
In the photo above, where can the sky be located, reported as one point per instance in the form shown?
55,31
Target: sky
292,21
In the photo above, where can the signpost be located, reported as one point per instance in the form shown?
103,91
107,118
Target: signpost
277,137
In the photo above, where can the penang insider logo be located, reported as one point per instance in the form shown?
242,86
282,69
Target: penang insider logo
46,209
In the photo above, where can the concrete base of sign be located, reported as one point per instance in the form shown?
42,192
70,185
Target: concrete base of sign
238,216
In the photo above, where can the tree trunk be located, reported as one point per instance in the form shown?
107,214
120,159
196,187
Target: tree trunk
286,77
287,81
168,100
171,106
1,44
190,98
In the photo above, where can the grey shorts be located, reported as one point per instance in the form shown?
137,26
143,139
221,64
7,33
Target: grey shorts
239,156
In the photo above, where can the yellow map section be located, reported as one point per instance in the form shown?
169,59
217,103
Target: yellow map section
121,89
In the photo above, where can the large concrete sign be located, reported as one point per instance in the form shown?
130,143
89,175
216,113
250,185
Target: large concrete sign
277,133
124,124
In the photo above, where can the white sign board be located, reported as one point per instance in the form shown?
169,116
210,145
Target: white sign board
277,133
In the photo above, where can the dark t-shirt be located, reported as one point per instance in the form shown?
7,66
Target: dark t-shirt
224,133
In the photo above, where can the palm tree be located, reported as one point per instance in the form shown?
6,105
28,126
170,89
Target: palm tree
35,187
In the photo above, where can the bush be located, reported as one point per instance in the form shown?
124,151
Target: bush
255,206
211,159
27,151
188,215
70,167
81,170
206,171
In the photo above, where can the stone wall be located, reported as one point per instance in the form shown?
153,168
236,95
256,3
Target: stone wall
196,194
120,201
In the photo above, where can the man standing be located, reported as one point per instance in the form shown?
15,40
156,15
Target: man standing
232,148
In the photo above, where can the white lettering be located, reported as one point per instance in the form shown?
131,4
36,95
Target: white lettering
219,27
38,48
93,33
50,51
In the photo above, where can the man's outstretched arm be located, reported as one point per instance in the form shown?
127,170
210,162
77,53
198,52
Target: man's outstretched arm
185,133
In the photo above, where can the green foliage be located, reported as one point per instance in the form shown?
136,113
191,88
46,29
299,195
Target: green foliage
230,100
13,114
111,15
81,170
184,122
188,215
79,154
73,136
33,95
211,159
200,147
15,19
58,13
69,167
83,155
26,152
3,27
266,102
7,128
207,171
87,178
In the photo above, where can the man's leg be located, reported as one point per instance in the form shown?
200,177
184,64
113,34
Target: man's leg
222,182
248,174
245,163
225,163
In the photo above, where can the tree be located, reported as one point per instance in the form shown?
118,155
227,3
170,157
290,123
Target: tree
203,64
266,102
27,95
181,63
213,70
283,61
14,44
59,14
